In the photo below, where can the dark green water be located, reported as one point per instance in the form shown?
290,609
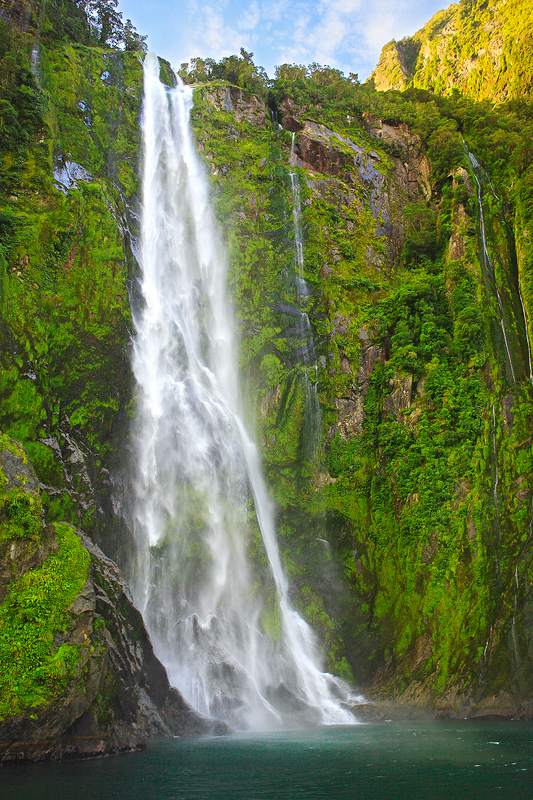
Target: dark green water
389,761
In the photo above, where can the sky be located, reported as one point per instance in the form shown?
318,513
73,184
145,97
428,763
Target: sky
344,34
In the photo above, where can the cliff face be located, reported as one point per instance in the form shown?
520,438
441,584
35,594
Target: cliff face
482,49
408,537
69,149
79,676
392,397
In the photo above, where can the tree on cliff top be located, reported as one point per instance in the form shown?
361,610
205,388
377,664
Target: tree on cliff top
237,70
108,28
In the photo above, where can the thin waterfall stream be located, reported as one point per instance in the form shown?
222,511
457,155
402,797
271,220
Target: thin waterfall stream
488,266
521,298
477,169
221,621
304,334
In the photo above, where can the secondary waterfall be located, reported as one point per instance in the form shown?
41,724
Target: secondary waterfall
222,625
303,333
488,266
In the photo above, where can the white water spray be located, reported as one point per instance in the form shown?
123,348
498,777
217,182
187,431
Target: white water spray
225,629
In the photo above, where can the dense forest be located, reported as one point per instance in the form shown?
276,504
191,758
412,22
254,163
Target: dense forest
405,514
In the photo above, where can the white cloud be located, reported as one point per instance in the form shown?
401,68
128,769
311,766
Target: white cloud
250,18
334,32
380,32
323,33
293,40
274,11
209,35
340,6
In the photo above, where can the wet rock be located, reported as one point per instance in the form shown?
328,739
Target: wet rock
412,166
352,407
400,399
290,116
293,708
19,556
360,176
17,469
244,107
318,151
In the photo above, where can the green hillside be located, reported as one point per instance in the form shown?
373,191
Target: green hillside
483,49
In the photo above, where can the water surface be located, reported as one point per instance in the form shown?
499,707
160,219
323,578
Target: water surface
388,761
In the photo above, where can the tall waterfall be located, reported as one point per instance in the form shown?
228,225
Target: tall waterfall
222,625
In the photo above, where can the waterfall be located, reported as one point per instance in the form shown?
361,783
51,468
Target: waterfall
222,622
488,266
495,451
305,350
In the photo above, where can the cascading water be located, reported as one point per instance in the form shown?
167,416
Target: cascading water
204,605
305,350
488,266
477,169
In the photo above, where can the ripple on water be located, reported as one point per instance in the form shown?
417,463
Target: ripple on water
394,761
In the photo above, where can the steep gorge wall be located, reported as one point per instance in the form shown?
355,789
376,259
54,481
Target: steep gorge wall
423,491
78,676
68,197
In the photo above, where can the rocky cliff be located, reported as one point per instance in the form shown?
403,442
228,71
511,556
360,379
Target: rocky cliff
395,534
482,49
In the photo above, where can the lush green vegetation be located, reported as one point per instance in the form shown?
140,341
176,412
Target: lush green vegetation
237,70
409,490
69,136
483,49
33,670
20,511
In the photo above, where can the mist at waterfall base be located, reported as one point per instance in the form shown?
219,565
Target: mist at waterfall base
387,761
221,621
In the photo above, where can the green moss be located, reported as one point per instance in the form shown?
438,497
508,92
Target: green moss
65,262
20,511
434,550
20,515
6,443
435,60
414,487
33,670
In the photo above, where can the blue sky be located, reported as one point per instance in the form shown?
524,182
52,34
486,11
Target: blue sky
346,34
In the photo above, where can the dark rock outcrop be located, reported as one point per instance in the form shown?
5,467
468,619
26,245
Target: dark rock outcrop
119,695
